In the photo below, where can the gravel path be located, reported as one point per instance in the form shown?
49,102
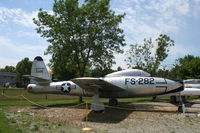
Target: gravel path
154,117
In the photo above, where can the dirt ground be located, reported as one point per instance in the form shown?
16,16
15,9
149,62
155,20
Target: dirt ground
152,117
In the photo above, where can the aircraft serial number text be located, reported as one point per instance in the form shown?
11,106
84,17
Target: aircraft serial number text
139,81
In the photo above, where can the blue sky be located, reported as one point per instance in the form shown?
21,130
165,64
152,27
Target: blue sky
179,19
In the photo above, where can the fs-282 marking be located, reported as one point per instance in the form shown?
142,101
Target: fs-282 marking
139,81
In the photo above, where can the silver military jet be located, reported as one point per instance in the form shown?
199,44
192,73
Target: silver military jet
130,83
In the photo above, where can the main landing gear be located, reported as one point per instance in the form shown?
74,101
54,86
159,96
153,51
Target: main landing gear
97,106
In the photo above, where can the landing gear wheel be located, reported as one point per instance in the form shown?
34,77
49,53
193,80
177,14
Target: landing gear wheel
113,102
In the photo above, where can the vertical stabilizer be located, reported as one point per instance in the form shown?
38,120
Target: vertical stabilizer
39,69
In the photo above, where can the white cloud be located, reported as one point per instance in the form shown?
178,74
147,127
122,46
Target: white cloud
28,34
178,7
17,16
5,61
6,44
145,19
196,1
179,51
12,52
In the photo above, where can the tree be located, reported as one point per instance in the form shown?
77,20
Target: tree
119,68
149,55
81,36
186,68
23,68
8,69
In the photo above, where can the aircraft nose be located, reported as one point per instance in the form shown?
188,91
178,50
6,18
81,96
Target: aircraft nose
174,86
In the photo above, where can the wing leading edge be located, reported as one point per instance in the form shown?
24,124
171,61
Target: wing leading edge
90,84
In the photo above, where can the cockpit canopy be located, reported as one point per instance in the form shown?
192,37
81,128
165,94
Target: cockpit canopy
129,72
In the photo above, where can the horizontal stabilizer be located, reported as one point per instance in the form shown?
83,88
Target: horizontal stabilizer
39,80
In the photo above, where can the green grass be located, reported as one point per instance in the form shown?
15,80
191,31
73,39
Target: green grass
23,122
58,100
15,99
9,125
5,127
54,100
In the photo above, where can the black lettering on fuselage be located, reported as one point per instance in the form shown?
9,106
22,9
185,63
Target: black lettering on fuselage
133,81
139,81
127,80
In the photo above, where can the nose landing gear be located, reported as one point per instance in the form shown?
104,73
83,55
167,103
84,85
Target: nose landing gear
181,106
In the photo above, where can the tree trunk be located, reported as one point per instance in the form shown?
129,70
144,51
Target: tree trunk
82,72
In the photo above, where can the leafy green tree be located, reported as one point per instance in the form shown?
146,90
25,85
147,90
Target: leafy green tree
149,55
81,36
8,69
119,68
186,68
140,56
163,73
23,67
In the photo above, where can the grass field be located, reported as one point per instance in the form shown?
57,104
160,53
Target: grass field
5,127
12,97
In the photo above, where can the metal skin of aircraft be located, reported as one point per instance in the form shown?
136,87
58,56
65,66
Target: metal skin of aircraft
130,83
191,88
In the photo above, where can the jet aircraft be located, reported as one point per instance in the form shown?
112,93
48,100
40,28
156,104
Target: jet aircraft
130,83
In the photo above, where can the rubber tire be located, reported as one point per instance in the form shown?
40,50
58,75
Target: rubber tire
180,109
113,102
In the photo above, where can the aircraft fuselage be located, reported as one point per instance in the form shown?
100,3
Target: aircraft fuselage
130,87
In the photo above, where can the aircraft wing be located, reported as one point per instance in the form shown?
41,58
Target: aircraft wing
39,80
90,84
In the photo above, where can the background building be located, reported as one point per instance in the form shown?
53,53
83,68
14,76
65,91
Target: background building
7,77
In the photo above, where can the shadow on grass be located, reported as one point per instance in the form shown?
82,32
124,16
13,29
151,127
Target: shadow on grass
121,112
108,116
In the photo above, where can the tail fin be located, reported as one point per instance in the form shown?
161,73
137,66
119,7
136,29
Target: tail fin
39,69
